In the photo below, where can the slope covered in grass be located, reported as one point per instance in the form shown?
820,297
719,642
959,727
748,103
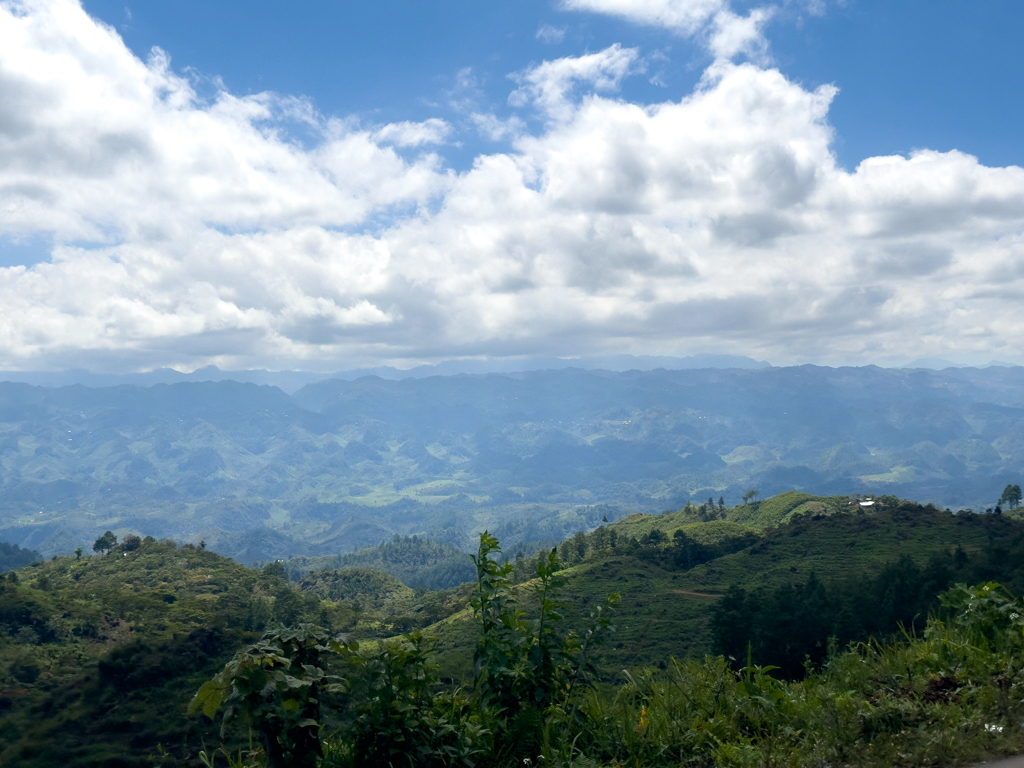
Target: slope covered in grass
666,607
100,655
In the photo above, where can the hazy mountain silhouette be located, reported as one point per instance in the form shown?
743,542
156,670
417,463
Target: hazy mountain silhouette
346,463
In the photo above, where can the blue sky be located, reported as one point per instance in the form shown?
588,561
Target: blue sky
324,186
942,74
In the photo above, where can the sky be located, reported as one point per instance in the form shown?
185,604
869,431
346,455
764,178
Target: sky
330,185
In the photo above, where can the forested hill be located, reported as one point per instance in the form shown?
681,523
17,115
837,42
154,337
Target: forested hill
417,562
259,474
798,571
13,556
99,655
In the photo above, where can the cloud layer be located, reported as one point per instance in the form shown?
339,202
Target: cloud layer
726,33
190,231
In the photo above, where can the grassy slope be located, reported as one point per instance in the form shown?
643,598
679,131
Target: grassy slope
756,516
99,656
664,613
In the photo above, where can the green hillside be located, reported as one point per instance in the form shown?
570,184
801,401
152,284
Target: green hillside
943,697
416,561
710,521
99,655
367,586
666,607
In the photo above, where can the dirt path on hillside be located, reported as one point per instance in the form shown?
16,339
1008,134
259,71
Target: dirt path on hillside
695,594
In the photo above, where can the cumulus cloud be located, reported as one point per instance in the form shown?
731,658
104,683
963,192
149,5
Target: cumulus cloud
549,85
191,231
726,33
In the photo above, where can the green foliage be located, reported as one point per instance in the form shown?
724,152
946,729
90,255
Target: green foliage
398,716
379,605
947,698
666,606
530,677
12,556
528,664
416,561
275,687
371,588
951,695
385,705
789,623
1011,496
105,543
100,655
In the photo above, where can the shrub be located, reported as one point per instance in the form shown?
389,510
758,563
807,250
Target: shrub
951,695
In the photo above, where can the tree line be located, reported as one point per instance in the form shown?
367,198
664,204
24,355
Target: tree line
795,626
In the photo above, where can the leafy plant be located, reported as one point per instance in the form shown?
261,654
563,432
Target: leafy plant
529,673
275,687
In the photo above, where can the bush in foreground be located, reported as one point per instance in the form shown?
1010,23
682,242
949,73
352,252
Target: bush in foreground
951,696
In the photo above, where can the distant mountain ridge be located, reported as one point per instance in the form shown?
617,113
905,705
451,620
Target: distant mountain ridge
290,381
342,464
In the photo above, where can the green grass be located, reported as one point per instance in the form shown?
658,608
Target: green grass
99,656
664,613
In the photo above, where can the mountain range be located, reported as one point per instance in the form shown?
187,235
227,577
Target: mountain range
259,474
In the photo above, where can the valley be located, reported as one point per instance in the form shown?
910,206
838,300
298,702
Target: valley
259,474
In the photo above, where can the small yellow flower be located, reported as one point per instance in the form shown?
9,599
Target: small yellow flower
643,720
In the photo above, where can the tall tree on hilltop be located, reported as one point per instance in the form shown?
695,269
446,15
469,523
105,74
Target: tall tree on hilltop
1011,496
105,543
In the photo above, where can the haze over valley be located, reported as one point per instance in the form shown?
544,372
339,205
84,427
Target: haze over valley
534,456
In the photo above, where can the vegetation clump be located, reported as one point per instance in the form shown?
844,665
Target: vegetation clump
99,655
947,696
12,556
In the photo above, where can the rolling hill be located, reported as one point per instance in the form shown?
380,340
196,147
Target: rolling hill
100,655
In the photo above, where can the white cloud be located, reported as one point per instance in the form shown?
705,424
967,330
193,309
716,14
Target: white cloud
406,134
731,35
549,34
91,137
497,128
726,33
548,85
189,232
686,17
